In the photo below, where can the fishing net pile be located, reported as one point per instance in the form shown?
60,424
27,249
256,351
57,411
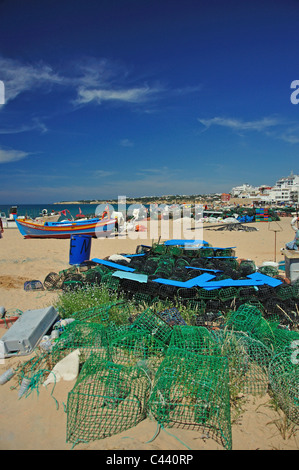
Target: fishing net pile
160,367
178,266
177,354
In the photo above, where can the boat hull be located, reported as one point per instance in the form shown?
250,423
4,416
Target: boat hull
94,227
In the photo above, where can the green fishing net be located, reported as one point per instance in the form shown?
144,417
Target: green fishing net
191,391
196,339
284,380
106,399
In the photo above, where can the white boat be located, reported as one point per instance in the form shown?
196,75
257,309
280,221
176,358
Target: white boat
9,222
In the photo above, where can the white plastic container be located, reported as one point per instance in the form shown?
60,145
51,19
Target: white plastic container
24,386
6,376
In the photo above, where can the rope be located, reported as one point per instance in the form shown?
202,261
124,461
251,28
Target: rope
159,427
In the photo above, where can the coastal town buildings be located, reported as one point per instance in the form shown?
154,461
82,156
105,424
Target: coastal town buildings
285,190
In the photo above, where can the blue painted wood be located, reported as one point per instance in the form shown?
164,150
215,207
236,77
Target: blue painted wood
197,281
132,276
204,269
181,242
271,281
112,265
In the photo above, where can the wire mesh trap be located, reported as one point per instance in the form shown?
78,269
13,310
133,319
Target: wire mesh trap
191,391
106,399
284,380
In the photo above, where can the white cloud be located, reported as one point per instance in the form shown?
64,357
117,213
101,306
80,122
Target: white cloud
35,125
273,127
126,143
92,80
19,77
103,173
239,125
11,155
129,95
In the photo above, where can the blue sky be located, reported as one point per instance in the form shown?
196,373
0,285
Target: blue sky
145,97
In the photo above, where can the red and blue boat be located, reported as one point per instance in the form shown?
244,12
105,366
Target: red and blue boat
96,227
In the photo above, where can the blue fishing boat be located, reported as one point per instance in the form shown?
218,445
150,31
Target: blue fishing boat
96,227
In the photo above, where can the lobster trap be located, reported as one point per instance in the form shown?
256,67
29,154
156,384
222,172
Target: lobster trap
191,391
106,399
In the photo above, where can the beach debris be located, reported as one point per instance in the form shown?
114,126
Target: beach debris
6,376
24,387
53,281
33,285
9,317
119,258
66,369
26,332
233,227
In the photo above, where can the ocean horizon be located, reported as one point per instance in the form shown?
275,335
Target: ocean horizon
35,210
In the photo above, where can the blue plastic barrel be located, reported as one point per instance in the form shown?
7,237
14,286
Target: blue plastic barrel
80,246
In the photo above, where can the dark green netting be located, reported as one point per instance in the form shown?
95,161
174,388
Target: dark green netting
296,289
196,339
269,271
208,294
149,322
246,318
191,391
133,346
197,348
118,312
284,380
284,291
106,399
248,361
89,338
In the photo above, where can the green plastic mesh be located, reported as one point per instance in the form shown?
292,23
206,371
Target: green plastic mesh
284,291
248,361
269,271
246,318
175,251
284,380
196,339
208,294
191,391
128,346
89,338
149,322
104,313
106,399
161,249
206,252
296,289
228,293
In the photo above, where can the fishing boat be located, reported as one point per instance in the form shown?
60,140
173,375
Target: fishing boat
96,227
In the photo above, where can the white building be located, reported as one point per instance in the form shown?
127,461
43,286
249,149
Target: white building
244,191
286,189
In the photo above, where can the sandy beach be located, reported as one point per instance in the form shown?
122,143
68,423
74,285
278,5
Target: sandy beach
38,422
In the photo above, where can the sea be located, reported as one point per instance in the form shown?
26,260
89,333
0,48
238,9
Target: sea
89,210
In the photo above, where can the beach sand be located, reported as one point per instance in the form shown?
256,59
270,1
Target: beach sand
38,422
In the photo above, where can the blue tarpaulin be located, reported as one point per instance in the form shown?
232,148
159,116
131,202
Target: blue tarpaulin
112,265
